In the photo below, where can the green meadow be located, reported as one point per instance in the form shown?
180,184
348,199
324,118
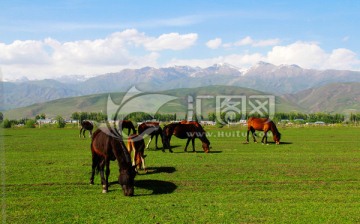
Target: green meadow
312,177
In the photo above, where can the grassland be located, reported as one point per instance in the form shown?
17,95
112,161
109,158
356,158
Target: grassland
313,177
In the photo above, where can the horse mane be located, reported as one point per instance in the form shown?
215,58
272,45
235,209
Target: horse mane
275,130
116,137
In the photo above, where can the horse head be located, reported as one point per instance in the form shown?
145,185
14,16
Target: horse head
206,145
126,179
277,137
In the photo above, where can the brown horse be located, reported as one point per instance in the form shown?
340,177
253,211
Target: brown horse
262,124
105,147
185,131
136,147
86,126
152,129
126,124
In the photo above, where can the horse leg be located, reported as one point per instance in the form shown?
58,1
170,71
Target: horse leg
156,140
107,173
187,143
143,163
90,134
193,144
93,167
80,132
253,134
103,180
265,137
147,146
170,150
247,135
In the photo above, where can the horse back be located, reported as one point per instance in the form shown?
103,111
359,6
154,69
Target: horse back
155,127
104,145
184,131
258,124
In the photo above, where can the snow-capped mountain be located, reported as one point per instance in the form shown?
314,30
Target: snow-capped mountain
262,76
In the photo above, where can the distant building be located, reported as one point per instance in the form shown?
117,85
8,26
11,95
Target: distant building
44,121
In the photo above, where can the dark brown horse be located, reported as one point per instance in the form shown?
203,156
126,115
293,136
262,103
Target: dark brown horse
136,147
152,129
105,147
185,131
262,124
126,124
86,126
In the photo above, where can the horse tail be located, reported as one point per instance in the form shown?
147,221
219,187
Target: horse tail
131,149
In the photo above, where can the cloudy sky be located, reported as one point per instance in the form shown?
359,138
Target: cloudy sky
46,39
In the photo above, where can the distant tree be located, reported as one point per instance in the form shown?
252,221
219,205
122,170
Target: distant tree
75,116
60,122
1,117
7,123
30,123
83,116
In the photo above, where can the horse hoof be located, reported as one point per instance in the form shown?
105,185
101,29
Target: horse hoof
104,191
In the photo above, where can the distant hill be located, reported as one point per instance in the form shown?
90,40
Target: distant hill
332,98
264,77
98,102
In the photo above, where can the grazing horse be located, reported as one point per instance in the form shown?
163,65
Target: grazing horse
185,131
86,126
128,125
262,124
105,147
152,129
136,147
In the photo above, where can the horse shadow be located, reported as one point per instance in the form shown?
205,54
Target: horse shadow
161,169
190,151
156,186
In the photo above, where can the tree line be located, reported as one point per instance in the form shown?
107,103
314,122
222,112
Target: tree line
295,117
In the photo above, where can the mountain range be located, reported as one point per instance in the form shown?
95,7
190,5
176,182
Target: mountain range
341,98
288,81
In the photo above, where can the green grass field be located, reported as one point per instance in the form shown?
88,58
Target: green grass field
313,177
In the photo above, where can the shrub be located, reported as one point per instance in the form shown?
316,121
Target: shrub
30,123
6,123
60,122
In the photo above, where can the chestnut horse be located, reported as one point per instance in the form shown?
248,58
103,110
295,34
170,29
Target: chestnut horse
136,147
152,129
262,124
105,147
86,126
185,131
126,124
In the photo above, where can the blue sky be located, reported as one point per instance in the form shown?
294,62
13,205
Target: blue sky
45,39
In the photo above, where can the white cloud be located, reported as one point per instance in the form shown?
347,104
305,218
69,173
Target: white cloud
248,41
245,41
130,48
300,53
214,44
311,55
50,57
171,41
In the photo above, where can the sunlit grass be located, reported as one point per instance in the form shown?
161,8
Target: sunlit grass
312,178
